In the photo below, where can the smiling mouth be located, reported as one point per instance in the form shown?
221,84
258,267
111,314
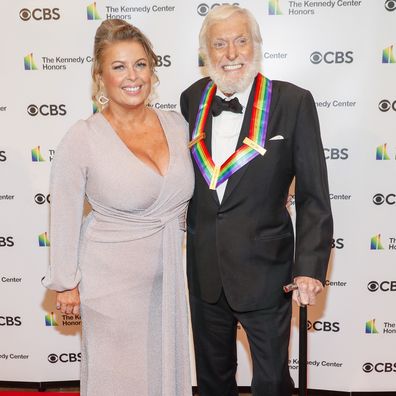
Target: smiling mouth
132,89
232,67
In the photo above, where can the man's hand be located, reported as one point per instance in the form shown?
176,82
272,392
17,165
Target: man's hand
68,301
308,289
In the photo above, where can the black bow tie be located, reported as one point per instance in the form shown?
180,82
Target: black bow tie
220,105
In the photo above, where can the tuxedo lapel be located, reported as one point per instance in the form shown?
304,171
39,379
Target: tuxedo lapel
237,176
208,143
208,133
274,105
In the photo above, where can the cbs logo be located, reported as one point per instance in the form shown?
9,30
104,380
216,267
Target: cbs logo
7,241
384,286
382,367
337,243
203,8
385,105
3,156
41,199
336,153
390,5
47,110
368,367
331,57
10,321
64,357
324,326
164,60
39,14
379,199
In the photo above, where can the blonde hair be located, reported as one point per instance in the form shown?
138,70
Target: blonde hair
111,31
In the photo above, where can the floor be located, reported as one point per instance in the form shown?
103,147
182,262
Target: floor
66,390
69,390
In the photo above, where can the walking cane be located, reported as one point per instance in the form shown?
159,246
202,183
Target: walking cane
302,345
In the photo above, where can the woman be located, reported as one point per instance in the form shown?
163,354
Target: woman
125,261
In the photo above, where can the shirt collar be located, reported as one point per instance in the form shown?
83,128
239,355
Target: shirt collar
243,96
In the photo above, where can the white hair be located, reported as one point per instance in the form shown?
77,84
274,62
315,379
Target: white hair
220,13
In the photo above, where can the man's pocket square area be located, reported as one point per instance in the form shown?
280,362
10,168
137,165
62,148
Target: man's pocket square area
277,137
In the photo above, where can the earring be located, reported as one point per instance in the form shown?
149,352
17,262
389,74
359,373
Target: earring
102,99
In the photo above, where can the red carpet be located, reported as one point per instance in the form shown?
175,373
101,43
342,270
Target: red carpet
9,393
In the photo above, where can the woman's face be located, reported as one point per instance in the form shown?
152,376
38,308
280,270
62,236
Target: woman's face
126,74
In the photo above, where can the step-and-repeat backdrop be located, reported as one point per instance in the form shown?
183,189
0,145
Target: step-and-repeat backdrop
341,50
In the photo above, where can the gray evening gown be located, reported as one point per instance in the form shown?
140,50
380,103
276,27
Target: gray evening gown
126,257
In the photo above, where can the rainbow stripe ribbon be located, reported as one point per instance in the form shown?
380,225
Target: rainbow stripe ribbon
253,144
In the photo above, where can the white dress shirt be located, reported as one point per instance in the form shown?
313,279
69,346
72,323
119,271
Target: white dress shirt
225,132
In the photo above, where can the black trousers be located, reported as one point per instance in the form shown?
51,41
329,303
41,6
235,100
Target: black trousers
215,329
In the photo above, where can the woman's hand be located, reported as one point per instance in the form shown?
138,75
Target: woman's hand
68,302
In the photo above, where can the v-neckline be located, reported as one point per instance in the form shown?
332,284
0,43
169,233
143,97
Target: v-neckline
133,155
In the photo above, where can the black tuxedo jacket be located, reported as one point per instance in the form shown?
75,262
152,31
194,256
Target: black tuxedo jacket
245,245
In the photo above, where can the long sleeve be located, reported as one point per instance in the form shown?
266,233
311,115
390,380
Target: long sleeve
184,108
67,189
314,224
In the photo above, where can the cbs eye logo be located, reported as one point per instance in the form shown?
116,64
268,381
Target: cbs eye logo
47,110
330,57
316,57
385,286
368,367
373,286
386,105
324,326
32,110
380,199
52,358
64,357
203,8
390,5
380,367
41,199
39,14
25,14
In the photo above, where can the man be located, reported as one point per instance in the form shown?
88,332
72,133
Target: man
240,244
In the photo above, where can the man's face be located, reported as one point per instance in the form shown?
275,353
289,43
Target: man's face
230,50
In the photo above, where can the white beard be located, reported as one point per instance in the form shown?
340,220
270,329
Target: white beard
227,84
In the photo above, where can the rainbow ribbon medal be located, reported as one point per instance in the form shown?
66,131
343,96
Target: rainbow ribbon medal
252,146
